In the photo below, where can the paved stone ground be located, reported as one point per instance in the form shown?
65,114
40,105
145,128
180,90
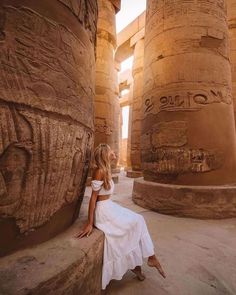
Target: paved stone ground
199,256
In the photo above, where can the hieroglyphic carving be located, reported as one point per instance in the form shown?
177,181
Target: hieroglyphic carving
167,12
37,181
172,134
46,123
40,59
181,160
185,101
86,11
2,24
102,126
164,151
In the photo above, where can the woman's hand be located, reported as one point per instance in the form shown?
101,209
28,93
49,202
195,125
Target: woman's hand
86,231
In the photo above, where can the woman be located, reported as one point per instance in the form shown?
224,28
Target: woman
127,239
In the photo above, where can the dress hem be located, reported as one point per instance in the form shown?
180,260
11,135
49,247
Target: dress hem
118,267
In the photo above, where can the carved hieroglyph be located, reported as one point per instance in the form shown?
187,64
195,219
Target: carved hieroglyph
231,5
107,108
187,110
137,104
46,107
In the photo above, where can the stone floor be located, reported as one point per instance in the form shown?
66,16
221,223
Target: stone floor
199,256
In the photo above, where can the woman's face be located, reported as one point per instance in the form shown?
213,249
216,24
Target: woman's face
112,155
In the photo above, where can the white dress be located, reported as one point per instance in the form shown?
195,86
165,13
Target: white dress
127,240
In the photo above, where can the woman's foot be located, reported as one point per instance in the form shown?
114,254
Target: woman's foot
138,271
153,262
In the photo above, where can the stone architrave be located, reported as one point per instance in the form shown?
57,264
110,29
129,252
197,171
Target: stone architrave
47,84
188,137
107,107
232,38
135,153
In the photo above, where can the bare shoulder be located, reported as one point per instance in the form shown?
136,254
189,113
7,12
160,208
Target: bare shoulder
98,174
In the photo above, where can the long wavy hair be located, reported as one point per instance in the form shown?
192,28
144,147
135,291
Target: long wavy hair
102,162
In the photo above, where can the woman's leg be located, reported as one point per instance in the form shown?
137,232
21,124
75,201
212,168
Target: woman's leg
154,262
148,248
138,271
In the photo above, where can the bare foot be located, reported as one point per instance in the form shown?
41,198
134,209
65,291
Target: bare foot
138,271
153,262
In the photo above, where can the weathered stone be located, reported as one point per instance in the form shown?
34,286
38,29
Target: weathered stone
46,124
128,37
134,174
187,104
136,105
205,202
232,38
62,265
188,98
107,106
131,91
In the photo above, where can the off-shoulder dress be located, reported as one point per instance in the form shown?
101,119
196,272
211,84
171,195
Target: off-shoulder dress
127,240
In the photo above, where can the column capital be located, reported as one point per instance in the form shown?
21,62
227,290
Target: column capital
137,37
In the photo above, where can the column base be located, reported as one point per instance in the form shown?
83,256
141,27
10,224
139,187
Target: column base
134,174
115,170
203,202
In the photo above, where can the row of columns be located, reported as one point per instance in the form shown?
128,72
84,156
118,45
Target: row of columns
182,111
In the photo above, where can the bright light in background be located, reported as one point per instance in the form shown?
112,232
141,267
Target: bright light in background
127,64
125,117
124,92
130,9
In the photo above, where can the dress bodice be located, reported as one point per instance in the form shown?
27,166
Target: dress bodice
97,185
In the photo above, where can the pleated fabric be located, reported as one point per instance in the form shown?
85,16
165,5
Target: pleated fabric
127,240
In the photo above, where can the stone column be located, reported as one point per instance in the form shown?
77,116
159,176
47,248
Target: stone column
46,116
129,128
137,72
188,136
107,107
232,39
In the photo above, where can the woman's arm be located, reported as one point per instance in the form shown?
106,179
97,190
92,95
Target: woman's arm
92,204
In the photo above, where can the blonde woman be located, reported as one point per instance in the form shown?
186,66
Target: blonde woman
127,240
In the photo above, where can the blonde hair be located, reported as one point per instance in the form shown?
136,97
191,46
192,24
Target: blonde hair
102,162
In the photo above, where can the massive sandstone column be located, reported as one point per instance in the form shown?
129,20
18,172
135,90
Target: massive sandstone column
107,107
46,116
137,72
232,37
188,135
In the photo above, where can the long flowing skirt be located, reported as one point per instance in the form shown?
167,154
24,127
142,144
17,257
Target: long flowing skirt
127,240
